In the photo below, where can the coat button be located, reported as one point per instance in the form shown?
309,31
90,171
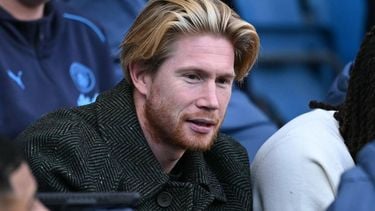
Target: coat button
164,199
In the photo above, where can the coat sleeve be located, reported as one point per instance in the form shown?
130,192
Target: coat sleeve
58,151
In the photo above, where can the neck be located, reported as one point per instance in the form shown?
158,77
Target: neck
22,12
168,155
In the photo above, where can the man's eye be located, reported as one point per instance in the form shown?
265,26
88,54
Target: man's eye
192,77
223,81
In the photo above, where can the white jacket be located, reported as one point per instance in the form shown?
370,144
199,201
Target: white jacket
299,167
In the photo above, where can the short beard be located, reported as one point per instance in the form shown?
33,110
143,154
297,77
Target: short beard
159,130
193,145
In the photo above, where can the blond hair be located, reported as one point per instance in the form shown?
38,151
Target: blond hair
150,38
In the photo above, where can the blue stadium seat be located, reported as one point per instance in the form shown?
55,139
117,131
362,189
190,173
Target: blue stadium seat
346,20
297,60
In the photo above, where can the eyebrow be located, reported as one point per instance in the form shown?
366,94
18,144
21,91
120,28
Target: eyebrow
204,72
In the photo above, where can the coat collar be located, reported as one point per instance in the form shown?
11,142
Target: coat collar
119,126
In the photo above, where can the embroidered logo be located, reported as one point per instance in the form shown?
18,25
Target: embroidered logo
83,100
17,78
83,77
84,80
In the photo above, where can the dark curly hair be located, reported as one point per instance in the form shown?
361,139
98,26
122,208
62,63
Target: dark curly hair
356,115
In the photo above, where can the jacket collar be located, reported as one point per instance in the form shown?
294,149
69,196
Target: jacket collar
119,126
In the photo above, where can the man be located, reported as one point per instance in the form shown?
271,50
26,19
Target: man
17,184
157,132
244,121
50,58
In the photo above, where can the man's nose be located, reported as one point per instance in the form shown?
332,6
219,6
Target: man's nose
209,97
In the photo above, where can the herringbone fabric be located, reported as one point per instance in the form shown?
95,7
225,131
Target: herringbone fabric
101,147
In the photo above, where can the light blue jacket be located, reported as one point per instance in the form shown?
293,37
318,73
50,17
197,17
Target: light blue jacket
357,186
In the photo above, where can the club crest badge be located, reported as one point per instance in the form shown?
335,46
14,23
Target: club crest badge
83,77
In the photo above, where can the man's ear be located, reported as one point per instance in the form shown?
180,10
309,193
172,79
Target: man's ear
140,78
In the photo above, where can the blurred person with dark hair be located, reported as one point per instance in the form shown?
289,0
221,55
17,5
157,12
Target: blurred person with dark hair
50,58
17,184
300,166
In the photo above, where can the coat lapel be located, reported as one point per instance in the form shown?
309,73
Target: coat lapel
196,170
138,168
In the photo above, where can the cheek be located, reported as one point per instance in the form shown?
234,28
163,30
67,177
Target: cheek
178,97
224,98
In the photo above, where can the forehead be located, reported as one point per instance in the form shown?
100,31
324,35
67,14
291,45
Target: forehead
204,50
204,43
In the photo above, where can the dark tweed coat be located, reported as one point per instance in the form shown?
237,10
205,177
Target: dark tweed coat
101,147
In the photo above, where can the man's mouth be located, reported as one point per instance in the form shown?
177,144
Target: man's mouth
202,126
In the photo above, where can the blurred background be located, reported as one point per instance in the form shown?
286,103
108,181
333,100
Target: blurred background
304,45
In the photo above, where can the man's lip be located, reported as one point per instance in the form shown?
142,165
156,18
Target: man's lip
208,122
202,126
